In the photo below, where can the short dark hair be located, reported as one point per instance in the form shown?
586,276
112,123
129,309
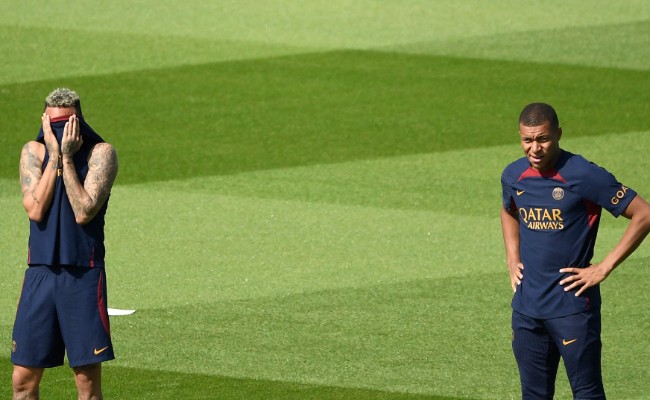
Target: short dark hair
535,114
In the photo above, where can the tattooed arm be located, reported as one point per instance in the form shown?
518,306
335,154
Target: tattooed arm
88,199
37,184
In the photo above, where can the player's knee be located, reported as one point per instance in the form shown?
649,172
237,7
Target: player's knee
26,382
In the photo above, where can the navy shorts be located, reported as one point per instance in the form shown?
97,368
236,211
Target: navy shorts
538,345
62,309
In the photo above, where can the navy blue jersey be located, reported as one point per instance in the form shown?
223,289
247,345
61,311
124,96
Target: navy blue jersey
58,239
559,212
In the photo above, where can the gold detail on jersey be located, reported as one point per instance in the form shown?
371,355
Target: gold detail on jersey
558,193
568,342
542,218
520,192
619,195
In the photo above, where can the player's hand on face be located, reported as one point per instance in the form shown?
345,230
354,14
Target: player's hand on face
582,278
72,140
48,135
516,275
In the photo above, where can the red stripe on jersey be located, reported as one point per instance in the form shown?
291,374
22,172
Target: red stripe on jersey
593,211
533,173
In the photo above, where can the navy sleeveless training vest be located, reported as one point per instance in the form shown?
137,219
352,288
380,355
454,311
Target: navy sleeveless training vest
58,240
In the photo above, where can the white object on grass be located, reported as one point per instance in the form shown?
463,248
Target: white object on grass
117,311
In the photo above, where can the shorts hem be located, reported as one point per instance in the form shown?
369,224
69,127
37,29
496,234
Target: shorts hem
83,363
36,365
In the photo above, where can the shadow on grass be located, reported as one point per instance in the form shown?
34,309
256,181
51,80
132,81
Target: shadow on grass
131,383
177,385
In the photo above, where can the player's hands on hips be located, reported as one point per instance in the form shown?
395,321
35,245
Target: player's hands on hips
583,278
50,139
72,140
516,275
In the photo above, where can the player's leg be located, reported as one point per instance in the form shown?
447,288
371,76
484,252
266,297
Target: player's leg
537,357
26,382
578,338
88,379
37,343
85,326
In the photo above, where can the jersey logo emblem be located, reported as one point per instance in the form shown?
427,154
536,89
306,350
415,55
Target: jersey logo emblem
100,351
558,193
520,192
568,342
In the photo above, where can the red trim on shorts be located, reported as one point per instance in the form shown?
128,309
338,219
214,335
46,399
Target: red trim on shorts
103,313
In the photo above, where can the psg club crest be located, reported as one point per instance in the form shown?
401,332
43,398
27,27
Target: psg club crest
558,193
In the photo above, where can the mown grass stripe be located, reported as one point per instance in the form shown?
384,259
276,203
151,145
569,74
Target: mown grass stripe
231,117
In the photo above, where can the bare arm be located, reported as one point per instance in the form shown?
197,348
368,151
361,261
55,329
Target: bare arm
87,199
638,212
37,185
510,229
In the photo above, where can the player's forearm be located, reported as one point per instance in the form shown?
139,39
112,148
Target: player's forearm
83,205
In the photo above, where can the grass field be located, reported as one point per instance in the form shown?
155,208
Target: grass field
307,204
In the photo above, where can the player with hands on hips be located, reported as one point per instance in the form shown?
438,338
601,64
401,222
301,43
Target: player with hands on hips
552,203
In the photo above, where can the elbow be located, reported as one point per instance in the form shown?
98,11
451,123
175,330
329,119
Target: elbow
640,214
85,216
643,219
35,216
84,213
83,219
643,225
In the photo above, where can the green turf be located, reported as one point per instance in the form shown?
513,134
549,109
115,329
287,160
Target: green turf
320,23
307,204
620,45
329,107
338,272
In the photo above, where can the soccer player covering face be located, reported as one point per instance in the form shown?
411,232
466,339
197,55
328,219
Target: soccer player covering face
66,176
552,202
